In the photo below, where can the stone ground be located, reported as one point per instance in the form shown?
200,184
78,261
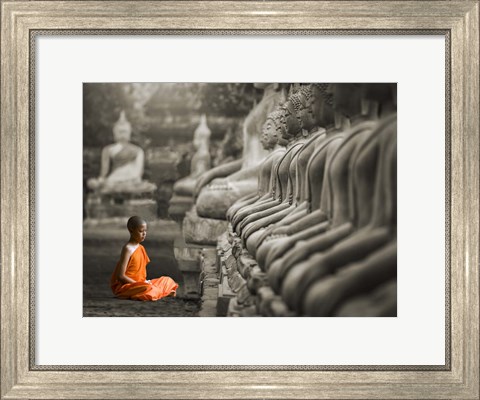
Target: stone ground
101,248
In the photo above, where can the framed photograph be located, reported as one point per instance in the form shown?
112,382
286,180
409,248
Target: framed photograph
61,62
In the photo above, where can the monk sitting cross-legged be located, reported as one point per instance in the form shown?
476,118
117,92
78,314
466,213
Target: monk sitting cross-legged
129,280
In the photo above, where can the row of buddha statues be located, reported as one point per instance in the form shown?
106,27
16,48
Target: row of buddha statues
311,206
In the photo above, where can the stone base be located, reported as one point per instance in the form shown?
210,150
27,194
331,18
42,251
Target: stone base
188,259
178,207
105,207
209,283
202,231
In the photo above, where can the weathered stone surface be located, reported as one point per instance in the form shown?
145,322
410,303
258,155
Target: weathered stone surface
224,288
225,294
279,309
265,296
208,308
178,207
189,266
188,259
222,243
236,281
209,282
237,247
245,264
203,231
210,291
209,261
244,297
256,280
230,265
234,310
249,311
186,251
191,286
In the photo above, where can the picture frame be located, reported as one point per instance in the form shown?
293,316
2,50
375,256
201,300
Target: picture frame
458,21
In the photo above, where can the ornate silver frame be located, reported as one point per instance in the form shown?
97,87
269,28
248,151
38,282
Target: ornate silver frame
22,21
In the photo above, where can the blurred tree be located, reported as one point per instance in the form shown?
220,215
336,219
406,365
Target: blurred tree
228,99
102,104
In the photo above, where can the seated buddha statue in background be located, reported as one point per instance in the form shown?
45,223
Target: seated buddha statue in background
201,160
122,163
216,191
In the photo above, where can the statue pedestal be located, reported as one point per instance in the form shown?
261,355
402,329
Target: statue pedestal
178,206
188,259
202,231
104,205
209,282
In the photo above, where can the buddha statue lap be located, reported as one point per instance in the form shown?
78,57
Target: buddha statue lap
216,197
182,199
119,190
200,161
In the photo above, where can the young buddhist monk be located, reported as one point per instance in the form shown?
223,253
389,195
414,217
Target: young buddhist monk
129,280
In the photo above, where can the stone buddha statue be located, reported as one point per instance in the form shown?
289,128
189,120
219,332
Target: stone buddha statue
119,190
258,221
279,186
201,161
122,163
315,113
314,135
216,197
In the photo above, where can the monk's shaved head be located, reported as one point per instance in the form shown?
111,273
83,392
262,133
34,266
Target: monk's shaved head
135,221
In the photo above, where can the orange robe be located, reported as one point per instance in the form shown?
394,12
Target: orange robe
141,290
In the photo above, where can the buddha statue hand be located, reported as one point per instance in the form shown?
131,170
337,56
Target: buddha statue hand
220,171
219,185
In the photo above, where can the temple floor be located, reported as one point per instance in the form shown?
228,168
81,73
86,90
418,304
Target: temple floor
102,244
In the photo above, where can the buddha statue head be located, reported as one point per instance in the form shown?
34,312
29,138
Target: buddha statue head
201,136
122,130
347,98
321,104
292,122
271,130
304,103
382,94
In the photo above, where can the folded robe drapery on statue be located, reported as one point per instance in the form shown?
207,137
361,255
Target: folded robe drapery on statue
141,290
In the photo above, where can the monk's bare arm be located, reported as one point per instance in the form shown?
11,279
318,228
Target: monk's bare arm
122,265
